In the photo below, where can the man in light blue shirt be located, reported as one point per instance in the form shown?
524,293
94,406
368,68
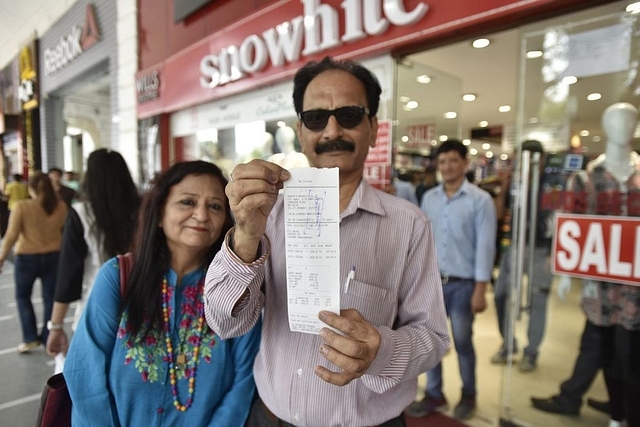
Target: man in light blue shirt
464,223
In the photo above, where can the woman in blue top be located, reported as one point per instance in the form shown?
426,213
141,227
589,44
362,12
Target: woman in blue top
150,358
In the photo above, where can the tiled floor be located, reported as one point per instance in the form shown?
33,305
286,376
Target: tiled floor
555,363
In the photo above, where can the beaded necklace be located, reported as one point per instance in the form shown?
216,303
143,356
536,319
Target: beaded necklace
181,359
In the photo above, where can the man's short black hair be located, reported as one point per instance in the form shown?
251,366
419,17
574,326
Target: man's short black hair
312,69
453,145
56,170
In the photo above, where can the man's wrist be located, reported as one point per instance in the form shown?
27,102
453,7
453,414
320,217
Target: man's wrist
54,326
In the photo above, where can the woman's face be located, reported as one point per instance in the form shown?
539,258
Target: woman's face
194,214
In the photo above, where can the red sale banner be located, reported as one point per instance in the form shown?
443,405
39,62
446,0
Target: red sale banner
597,247
377,166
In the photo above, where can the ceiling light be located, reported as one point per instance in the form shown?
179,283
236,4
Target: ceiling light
480,43
596,139
466,142
424,78
569,80
584,133
404,99
405,138
473,151
534,120
593,96
405,108
412,104
486,146
469,97
483,124
533,54
489,154
450,115
443,138
504,156
504,108
633,8
434,142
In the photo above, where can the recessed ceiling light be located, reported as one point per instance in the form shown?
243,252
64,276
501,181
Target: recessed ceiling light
584,132
596,139
473,151
481,43
450,115
504,156
486,146
466,142
569,80
533,54
443,138
633,8
483,124
424,78
489,154
405,138
504,108
404,99
469,97
412,104
405,108
594,96
434,142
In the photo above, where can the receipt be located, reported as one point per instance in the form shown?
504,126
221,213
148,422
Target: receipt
312,227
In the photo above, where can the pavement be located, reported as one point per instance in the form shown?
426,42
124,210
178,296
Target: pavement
23,375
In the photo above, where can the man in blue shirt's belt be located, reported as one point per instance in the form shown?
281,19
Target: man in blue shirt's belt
464,223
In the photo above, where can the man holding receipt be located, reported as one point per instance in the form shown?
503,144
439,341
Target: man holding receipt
392,318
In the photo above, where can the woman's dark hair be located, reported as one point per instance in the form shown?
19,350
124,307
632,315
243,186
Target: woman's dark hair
151,253
312,69
114,200
45,194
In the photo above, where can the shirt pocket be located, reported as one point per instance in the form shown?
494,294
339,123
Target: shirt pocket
377,305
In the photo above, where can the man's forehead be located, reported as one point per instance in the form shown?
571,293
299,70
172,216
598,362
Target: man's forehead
336,86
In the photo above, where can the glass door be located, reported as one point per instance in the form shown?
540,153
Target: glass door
574,70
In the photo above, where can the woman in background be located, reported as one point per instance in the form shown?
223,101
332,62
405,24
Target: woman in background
97,228
149,357
35,228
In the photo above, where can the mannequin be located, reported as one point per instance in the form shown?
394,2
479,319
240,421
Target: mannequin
615,171
619,121
288,157
267,145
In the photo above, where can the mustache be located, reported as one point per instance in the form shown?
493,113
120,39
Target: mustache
335,145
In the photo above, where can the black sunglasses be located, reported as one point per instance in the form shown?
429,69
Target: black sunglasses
347,117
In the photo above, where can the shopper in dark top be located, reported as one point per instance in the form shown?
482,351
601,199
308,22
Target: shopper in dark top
97,228
65,193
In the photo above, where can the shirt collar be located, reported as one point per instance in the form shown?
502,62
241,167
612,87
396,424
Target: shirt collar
366,198
464,188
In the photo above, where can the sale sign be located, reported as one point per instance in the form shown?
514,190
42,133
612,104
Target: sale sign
605,248
377,166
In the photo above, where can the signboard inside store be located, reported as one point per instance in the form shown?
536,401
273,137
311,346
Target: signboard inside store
605,248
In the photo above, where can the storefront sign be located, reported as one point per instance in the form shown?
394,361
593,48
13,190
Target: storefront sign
28,90
148,86
597,247
317,30
420,137
73,45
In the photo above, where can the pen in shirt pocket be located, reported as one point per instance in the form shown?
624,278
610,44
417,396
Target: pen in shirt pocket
350,277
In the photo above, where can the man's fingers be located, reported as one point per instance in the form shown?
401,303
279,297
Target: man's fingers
335,378
356,365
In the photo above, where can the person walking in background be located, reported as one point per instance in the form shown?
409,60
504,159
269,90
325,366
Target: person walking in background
65,193
15,191
361,369
464,226
149,358
35,228
97,228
